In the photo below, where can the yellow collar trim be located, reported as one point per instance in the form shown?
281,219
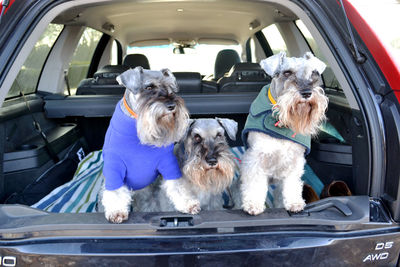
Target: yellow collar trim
271,98
129,109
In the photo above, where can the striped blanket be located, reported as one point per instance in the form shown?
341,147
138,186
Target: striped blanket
80,195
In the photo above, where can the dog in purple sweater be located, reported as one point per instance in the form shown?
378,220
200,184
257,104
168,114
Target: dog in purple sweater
139,142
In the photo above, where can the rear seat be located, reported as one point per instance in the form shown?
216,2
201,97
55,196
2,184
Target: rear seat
103,82
244,77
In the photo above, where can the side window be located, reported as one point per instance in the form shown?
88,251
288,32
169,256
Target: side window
28,76
328,76
274,39
79,65
256,52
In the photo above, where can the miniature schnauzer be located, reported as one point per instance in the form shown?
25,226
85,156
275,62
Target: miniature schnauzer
278,130
139,142
208,168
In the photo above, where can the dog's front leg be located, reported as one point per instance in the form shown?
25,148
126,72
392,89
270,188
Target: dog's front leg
181,197
292,187
117,204
254,182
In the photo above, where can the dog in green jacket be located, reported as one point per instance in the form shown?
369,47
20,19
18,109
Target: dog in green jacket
282,120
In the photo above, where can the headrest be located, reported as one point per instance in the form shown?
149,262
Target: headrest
135,60
224,61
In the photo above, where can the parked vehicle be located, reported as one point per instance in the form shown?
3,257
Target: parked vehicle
58,63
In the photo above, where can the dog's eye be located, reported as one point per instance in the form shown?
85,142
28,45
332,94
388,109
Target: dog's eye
218,135
150,86
197,138
287,73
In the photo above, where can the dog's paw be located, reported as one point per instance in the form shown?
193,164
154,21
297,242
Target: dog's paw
117,216
253,209
191,207
295,207
194,208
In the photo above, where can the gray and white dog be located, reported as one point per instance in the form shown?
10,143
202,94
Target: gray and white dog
278,130
207,166
139,142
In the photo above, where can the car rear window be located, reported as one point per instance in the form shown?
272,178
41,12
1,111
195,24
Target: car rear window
197,58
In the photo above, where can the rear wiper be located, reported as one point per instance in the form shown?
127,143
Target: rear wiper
4,5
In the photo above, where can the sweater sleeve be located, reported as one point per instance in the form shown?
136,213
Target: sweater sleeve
114,171
169,167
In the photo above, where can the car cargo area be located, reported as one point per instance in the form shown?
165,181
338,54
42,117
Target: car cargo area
48,133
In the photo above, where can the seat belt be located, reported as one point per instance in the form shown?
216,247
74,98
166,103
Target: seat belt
36,125
66,80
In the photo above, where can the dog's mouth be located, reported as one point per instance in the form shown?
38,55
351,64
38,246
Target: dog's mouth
212,166
209,167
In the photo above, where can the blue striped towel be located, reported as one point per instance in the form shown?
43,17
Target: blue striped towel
80,195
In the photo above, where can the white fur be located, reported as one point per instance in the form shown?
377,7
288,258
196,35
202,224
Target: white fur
116,204
268,158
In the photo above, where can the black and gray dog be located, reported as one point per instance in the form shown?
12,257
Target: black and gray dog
207,166
139,142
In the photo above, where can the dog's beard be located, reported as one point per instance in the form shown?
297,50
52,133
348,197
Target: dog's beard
210,179
303,116
160,127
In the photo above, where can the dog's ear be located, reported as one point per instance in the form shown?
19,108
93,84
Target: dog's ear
167,73
272,64
171,79
191,122
230,126
317,64
131,79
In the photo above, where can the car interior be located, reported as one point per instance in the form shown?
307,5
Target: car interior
62,90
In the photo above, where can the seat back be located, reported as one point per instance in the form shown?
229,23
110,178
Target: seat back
135,60
188,82
224,61
244,77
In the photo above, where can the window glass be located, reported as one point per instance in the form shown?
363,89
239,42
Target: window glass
274,39
79,65
28,75
328,76
163,56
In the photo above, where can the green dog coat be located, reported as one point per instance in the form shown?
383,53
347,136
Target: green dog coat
261,119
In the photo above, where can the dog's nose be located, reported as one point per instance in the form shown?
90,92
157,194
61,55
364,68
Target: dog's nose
212,161
306,93
171,106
